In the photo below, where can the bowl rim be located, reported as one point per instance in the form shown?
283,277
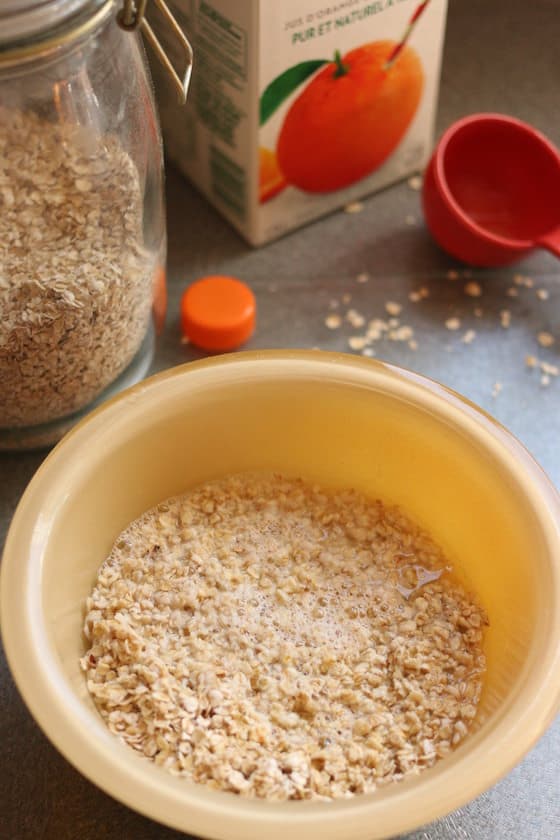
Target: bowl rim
189,807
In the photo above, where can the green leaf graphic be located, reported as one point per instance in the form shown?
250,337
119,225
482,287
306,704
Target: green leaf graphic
285,84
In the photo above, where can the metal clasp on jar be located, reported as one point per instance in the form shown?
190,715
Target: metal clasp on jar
132,17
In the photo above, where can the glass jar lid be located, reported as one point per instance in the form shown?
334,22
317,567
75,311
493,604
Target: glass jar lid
25,18
28,27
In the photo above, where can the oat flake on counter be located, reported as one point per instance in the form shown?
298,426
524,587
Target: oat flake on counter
453,324
75,281
333,322
268,637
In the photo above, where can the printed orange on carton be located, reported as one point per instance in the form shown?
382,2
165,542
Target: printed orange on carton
300,107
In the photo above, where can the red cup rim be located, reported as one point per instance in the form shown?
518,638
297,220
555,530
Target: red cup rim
439,172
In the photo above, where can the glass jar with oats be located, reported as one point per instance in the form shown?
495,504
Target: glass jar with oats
82,224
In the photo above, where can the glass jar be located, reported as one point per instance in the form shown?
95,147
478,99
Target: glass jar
82,224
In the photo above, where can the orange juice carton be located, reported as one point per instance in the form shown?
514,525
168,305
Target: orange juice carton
299,107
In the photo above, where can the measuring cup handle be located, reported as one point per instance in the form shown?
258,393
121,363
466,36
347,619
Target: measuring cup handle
551,241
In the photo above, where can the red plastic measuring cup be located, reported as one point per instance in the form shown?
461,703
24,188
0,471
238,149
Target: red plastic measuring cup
492,191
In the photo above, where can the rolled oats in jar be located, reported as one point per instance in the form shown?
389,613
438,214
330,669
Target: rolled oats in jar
82,225
76,279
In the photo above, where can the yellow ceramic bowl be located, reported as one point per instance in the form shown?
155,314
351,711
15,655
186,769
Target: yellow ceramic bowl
339,420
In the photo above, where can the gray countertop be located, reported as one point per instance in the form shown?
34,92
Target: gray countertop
501,56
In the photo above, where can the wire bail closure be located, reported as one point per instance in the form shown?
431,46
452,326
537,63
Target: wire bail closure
132,18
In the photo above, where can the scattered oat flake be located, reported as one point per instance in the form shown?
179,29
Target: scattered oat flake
473,289
546,367
545,380
512,292
410,220
354,207
424,292
469,337
346,298
497,388
545,339
452,274
414,296
478,312
368,351
415,182
185,340
542,294
333,322
333,304
357,342
521,280
403,333
376,328
363,277
505,318
453,323
355,318
393,308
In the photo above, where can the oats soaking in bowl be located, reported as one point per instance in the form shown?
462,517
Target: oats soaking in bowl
276,639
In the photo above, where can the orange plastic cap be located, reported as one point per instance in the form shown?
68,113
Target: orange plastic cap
218,313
